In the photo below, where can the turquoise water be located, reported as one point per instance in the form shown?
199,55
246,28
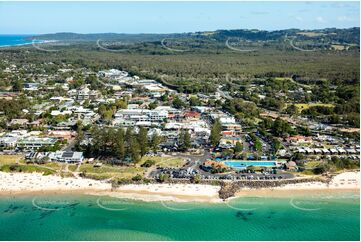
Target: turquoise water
243,164
79,217
12,40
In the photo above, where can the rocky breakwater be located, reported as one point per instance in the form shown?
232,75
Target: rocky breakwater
229,189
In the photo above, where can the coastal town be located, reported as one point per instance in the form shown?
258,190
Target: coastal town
180,120
114,126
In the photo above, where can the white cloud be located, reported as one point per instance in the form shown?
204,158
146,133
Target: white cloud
298,18
320,19
344,19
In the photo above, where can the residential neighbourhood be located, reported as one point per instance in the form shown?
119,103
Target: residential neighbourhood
213,143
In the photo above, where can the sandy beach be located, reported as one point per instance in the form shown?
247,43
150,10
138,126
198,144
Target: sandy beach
347,181
22,183
17,183
167,192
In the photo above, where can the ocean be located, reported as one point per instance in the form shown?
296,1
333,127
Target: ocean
13,40
325,216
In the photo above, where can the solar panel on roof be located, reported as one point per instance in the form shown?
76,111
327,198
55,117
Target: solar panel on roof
67,154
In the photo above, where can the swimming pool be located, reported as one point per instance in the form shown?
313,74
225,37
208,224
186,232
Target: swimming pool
243,164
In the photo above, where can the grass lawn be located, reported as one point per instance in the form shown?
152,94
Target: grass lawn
53,165
108,171
72,167
169,162
16,163
304,106
10,159
26,168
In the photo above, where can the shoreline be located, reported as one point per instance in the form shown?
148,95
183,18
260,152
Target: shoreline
15,184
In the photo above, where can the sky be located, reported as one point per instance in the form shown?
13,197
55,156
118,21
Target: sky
172,17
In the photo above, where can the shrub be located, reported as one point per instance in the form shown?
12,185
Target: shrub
148,163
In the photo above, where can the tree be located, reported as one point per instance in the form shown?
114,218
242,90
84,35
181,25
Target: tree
216,132
292,110
194,101
17,86
238,148
257,145
153,105
120,144
163,177
276,145
196,178
155,141
134,150
184,140
178,103
137,178
143,141
148,163
121,104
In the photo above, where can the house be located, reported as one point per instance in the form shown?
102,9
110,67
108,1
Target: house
66,156
227,120
298,139
233,127
57,113
31,86
333,151
325,151
61,134
113,73
191,115
351,151
85,93
229,141
30,143
201,109
8,142
341,151
19,122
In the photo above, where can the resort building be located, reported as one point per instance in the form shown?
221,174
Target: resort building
31,143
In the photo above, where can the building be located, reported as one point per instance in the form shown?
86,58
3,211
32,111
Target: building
32,143
31,86
142,115
19,122
85,94
66,156
8,142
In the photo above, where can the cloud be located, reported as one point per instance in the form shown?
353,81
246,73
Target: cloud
320,19
344,19
260,12
298,18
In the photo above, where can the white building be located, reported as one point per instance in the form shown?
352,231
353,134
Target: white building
66,156
142,115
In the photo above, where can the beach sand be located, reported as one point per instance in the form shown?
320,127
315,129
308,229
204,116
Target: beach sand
344,182
23,183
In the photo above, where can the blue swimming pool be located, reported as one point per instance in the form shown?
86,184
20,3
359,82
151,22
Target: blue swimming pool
243,164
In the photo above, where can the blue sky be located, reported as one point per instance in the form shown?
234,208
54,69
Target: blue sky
172,17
